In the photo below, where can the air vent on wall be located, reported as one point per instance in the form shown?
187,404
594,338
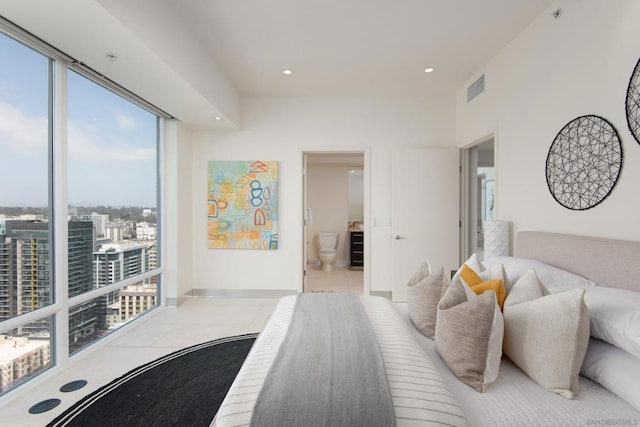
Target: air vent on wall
475,89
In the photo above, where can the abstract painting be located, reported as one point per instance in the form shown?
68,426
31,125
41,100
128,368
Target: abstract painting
242,201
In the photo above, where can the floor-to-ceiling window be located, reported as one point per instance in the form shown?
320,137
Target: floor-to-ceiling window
112,199
79,207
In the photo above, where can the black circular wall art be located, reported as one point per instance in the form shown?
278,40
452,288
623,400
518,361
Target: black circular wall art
584,162
633,103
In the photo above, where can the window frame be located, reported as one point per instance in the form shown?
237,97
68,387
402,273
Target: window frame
59,65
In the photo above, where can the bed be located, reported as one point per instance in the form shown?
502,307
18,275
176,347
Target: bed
424,387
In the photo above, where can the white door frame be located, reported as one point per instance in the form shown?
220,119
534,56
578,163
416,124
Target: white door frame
366,152
424,212
465,192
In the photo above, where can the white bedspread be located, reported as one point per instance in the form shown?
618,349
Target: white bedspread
515,400
419,392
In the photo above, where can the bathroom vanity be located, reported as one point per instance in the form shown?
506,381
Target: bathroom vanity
356,250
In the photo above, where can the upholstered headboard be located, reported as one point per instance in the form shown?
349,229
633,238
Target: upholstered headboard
607,262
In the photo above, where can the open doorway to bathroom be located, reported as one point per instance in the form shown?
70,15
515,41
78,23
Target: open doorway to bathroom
478,193
334,217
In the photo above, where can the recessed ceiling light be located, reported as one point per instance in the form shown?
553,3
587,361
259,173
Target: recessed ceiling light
429,70
288,72
218,118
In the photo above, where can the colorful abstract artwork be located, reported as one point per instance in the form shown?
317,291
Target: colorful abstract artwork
242,205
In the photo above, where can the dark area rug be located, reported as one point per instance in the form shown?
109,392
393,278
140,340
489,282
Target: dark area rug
184,388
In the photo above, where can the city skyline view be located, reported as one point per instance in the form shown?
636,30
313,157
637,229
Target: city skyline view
111,141
65,133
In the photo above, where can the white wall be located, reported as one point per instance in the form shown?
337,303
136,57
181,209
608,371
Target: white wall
553,72
176,213
328,199
280,129
185,196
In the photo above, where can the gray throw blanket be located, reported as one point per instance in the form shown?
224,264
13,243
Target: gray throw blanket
328,371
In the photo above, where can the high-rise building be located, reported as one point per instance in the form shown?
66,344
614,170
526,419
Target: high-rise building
99,221
115,231
136,299
81,238
26,265
118,261
7,289
146,231
21,357
115,262
26,273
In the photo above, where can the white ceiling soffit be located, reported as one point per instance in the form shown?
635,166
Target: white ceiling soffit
195,58
86,31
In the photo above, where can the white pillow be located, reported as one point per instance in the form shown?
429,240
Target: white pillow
549,275
474,263
615,369
546,335
493,271
615,317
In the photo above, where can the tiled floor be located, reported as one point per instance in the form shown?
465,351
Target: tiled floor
340,279
161,332
170,329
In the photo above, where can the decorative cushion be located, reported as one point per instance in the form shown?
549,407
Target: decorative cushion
468,335
422,272
546,335
422,301
479,285
473,263
614,369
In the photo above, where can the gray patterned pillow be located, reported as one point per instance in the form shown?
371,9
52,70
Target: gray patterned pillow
469,331
422,301
422,272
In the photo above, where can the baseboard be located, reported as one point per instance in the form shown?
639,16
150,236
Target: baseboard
175,302
243,293
384,294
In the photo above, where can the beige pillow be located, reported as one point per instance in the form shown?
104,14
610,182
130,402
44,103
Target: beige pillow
468,337
422,301
546,335
474,263
422,272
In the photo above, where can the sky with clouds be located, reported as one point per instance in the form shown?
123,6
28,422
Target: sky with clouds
111,142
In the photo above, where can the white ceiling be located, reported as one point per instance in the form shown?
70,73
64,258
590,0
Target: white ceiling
355,46
196,59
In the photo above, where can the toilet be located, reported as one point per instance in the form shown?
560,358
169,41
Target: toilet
327,243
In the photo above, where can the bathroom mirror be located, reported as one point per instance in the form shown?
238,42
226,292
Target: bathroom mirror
356,194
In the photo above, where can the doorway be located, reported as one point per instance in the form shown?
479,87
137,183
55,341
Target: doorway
479,202
334,199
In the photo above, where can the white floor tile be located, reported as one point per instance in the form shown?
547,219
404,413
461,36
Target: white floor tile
197,320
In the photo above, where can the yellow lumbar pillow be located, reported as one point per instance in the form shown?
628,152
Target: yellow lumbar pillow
474,281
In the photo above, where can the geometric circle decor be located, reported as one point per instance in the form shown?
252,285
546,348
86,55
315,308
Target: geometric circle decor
633,103
584,162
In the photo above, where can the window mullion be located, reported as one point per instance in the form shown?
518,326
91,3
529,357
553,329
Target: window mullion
58,178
